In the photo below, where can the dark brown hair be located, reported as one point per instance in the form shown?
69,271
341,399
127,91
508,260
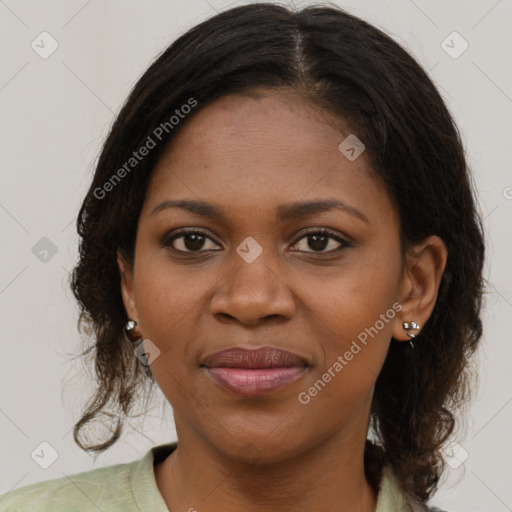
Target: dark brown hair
350,68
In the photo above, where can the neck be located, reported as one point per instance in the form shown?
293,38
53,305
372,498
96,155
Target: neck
329,476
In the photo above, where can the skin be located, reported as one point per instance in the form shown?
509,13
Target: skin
249,154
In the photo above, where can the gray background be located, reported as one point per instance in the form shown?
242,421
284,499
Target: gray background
55,113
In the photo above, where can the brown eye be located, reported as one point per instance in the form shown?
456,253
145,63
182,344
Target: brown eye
188,241
320,240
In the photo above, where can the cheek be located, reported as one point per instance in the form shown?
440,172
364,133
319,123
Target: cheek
355,318
172,302
355,312
359,294
166,308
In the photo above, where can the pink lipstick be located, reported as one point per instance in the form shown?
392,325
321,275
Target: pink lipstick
254,372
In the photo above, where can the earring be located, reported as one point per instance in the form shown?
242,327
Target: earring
131,332
411,325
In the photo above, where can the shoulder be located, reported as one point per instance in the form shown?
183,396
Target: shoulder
79,492
127,487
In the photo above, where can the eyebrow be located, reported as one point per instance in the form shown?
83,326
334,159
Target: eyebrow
285,211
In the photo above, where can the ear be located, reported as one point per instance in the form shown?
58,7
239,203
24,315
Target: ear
126,271
425,264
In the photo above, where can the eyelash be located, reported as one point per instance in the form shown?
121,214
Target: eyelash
167,240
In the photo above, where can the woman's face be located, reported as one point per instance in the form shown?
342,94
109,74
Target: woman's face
260,275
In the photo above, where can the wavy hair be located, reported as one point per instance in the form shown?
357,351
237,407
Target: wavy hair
349,68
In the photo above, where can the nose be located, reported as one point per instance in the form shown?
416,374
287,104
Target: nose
251,293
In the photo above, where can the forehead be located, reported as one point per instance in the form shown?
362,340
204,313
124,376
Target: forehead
258,148
264,119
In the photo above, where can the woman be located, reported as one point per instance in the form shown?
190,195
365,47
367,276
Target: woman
282,234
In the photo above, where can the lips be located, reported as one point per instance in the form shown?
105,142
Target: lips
254,372
264,357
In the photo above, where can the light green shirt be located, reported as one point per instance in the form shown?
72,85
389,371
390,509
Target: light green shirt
132,488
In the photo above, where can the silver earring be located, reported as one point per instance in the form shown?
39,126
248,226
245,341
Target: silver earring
131,331
411,325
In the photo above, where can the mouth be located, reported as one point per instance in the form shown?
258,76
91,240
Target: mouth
254,372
